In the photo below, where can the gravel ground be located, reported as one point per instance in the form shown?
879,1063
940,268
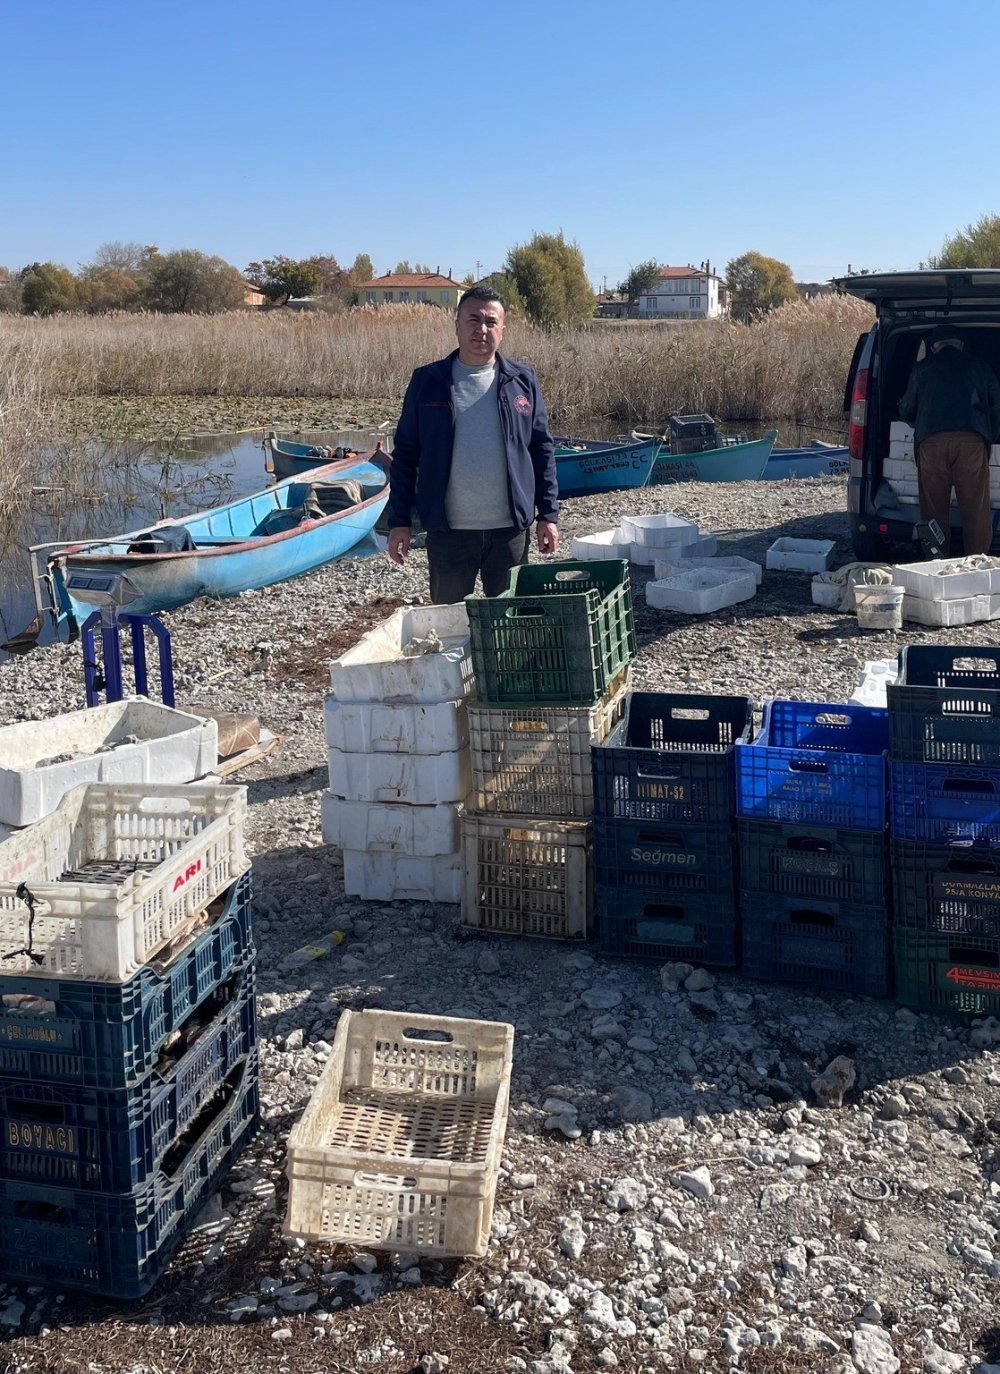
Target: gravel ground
676,1193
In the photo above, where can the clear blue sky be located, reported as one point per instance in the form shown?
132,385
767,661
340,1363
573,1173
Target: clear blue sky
446,132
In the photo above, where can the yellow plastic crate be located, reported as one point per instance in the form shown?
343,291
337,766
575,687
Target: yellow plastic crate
399,1147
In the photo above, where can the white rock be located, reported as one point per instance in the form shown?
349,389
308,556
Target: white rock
805,1150
940,1361
282,1333
795,1261
572,1237
600,999
699,981
627,1195
697,1182
521,1182
872,1352
487,962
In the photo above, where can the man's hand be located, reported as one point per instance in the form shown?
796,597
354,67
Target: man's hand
547,534
399,544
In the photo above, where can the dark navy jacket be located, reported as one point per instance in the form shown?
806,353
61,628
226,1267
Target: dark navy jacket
425,436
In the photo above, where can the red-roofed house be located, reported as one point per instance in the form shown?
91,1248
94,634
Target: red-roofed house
684,293
397,288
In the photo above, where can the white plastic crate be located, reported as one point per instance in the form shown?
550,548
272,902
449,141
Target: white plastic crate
134,740
604,544
705,546
381,877
417,779
669,567
394,829
826,592
114,874
370,727
536,759
527,875
701,591
379,668
659,531
949,579
801,555
399,1147
964,610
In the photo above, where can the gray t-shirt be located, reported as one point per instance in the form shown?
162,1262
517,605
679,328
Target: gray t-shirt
477,496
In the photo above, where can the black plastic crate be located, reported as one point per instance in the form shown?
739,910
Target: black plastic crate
948,889
561,634
813,861
671,858
943,802
670,758
112,1140
816,763
108,1035
945,705
947,973
659,926
834,945
118,1245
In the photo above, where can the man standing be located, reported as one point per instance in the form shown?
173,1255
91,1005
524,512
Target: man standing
474,455
953,403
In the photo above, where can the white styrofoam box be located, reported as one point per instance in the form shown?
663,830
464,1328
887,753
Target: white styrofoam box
730,562
826,592
417,779
994,455
394,828
899,470
966,610
381,877
369,727
604,544
705,546
700,591
379,669
801,555
659,531
900,430
948,579
905,488
872,681
134,740
643,555
901,451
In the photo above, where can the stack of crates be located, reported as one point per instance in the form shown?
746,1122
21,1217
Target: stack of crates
944,817
398,739
128,1039
811,811
550,659
663,806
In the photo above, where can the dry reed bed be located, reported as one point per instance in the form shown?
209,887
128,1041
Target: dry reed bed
791,363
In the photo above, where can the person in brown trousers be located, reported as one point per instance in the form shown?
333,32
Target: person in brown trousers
953,403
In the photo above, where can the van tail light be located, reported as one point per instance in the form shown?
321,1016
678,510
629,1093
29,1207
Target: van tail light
859,413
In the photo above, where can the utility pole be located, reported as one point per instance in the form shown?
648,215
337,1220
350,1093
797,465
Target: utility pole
478,272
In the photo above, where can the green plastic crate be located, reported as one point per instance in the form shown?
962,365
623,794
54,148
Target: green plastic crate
947,973
561,633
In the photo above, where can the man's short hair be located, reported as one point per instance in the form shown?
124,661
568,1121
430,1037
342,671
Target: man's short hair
486,294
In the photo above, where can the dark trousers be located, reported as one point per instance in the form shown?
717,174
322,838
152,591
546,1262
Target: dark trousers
961,460
457,557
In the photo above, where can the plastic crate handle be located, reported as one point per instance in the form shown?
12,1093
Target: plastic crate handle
389,1183
804,917
811,844
526,612
973,786
435,1036
811,765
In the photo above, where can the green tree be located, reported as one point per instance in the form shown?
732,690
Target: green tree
363,269
47,287
758,284
107,288
977,245
188,281
550,278
640,280
280,278
506,286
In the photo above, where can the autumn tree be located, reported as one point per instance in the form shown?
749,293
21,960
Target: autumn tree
10,291
186,281
977,245
640,280
758,284
281,278
47,287
550,279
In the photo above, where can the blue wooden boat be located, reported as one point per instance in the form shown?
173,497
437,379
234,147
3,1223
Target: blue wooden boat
815,460
290,528
593,466
732,463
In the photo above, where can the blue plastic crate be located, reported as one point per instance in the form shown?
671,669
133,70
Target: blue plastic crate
834,945
108,1035
675,858
947,889
945,705
817,764
670,758
957,974
813,861
943,802
112,1140
118,1245
655,926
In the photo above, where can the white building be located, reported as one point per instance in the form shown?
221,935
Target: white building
684,293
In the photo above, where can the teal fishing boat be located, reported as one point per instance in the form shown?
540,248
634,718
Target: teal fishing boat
739,462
